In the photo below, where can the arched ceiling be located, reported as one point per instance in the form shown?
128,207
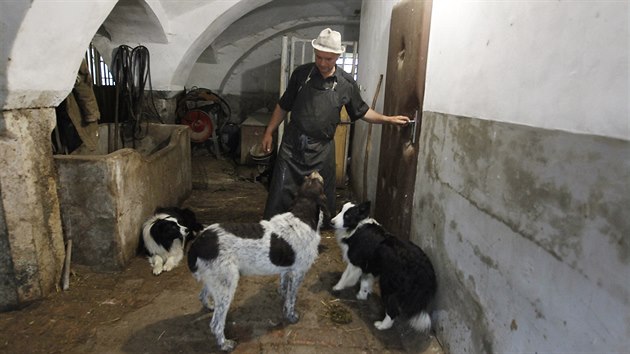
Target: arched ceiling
271,21
44,44
146,21
282,11
175,32
229,56
180,33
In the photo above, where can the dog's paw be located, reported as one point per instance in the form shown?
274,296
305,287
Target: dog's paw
168,267
293,317
207,305
383,325
362,295
338,287
157,270
228,345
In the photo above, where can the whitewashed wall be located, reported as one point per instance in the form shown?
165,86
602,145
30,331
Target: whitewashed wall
523,171
373,44
555,65
523,175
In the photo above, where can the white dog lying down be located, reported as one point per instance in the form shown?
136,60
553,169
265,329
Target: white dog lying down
285,245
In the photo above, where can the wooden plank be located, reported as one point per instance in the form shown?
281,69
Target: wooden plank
342,135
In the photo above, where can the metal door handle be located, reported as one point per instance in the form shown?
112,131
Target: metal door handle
413,128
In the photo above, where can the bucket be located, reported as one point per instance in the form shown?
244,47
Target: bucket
259,156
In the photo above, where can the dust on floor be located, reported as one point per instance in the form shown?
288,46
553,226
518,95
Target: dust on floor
133,311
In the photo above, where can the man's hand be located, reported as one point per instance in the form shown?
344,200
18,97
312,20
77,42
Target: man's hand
399,120
372,116
267,142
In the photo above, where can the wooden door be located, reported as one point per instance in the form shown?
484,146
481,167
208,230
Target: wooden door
404,93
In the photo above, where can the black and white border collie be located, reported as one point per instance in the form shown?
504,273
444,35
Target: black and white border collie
165,235
286,245
406,276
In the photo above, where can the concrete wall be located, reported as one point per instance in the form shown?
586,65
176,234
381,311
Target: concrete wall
30,227
105,198
523,176
526,228
522,182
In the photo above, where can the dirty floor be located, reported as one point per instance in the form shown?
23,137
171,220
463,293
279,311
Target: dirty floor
133,311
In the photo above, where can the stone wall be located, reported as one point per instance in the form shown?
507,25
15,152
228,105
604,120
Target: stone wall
31,258
106,198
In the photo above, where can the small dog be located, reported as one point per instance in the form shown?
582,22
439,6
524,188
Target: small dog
165,235
286,245
406,276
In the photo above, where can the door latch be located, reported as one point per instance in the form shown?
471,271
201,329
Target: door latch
414,126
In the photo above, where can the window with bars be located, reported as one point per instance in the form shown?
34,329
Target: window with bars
101,76
349,60
349,63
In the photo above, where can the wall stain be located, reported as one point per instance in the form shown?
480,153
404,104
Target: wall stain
487,260
616,225
432,143
513,325
475,140
535,305
453,287
555,189
544,201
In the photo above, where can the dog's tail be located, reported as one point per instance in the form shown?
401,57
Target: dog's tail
421,322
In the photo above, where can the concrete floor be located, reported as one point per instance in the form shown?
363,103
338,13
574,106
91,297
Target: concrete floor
135,312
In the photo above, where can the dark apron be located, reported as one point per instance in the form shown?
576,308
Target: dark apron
307,145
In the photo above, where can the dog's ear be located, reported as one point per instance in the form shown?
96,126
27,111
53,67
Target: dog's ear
364,209
190,220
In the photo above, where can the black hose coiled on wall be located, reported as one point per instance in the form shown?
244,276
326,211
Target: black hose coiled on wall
131,73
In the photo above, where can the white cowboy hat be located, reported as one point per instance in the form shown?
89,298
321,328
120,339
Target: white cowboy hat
329,41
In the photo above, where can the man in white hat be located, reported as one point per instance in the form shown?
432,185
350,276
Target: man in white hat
315,94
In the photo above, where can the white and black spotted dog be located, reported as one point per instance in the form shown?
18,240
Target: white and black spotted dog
406,276
165,235
286,245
